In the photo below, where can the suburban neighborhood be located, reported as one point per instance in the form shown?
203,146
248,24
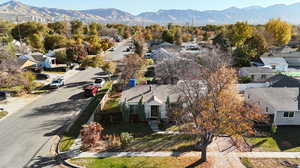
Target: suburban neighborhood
108,89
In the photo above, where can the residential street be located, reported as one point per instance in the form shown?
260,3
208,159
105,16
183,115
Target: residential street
118,52
26,134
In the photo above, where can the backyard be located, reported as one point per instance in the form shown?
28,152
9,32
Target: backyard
287,139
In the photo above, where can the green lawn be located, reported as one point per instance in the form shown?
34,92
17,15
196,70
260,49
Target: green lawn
286,139
146,141
268,163
65,143
139,162
3,114
72,134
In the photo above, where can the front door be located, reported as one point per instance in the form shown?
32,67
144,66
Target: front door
154,111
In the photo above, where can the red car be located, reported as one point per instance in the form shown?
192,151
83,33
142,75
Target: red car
91,91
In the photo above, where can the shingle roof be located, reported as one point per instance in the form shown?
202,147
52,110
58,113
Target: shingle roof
257,70
273,60
157,92
282,99
283,81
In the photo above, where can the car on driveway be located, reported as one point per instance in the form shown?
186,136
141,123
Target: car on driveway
111,49
99,82
57,83
2,96
40,76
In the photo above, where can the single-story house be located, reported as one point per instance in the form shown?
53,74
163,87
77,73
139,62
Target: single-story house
42,60
282,104
257,74
291,55
278,64
23,63
162,54
148,102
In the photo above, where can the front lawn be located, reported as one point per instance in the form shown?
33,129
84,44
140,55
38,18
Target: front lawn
286,139
268,163
139,162
146,141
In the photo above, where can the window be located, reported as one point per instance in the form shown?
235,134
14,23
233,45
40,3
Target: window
267,109
273,66
288,114
133,109
263,76
154,111
252,77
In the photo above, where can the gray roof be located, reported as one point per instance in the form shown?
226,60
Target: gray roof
159,93
254,70
282,99
273,60
283,81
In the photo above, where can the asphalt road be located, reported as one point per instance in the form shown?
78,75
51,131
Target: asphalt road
25,135
118,52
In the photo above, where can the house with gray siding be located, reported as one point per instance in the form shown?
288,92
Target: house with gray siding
257,74
278,64
282,104
148,102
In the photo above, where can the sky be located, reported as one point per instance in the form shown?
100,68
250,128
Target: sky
138,6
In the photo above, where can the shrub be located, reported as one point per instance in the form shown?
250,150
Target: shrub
245,79
149,61
28,82
90,134
61,57
126,138
274,129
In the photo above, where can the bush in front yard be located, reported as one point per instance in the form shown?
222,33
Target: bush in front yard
126,139
90,134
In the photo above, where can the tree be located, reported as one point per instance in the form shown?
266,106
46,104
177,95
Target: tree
94,61
212,106
133,65
54,41
76,27
239,33
243,56
93,29
28,81
109,67
257,43
139,47
280,30
178,37
90,134
222,41
168,36
36,41
26,30
76,53
58,28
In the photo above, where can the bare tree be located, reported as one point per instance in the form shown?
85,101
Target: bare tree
211,105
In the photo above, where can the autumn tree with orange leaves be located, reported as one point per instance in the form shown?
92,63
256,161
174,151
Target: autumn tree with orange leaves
212,106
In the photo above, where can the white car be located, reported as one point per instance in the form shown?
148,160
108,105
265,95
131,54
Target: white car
99,82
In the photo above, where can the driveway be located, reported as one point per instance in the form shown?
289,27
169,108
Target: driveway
25,133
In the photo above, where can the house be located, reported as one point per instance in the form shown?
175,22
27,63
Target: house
23,64
257,74
42,60
148,102
162,54
291,55
278,64
281,104
280,81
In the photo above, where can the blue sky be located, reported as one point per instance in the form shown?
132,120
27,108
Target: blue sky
138,6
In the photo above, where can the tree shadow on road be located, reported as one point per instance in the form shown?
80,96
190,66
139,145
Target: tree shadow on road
40,162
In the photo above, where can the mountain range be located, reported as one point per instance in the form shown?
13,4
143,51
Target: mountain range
17,11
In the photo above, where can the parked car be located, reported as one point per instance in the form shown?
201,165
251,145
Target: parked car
40,76
35,69
91,90
57,83
2,96
99,82
111,49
